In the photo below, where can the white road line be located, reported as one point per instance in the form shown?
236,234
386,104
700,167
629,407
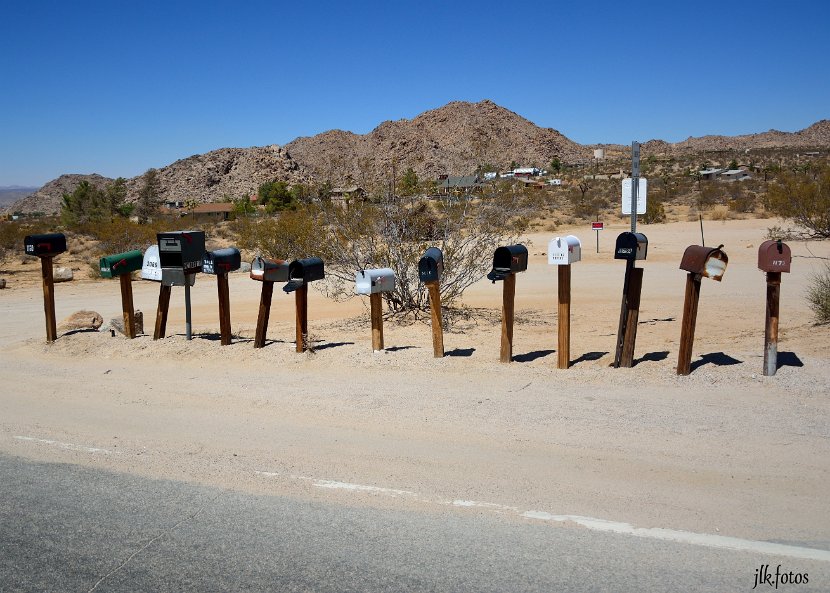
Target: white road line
686,537
592,523
67,446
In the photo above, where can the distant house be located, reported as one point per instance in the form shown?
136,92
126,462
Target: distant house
490,175
554,182
710,174
448,184
174,204
347,194
215,212
735,175
526,171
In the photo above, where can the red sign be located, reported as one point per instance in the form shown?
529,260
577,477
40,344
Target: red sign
597,226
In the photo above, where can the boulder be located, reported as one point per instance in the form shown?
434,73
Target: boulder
62,275
117,323
81,320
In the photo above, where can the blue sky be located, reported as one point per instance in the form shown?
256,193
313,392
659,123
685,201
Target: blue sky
116,88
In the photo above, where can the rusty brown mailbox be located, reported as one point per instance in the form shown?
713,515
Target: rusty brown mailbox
709,262
698,261
774,256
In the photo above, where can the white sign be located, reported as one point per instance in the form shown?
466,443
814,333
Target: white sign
641,196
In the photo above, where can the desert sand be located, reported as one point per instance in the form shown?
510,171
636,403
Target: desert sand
724,450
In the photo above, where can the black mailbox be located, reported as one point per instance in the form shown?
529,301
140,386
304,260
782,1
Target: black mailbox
431,265
303,271
182,250
221,261
631,246
47,245
508,260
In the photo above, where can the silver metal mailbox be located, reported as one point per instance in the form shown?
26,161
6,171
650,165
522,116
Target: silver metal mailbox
269,270
374,281
564,250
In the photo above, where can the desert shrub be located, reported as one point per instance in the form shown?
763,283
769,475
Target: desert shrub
120,234
719,213
655,211
818,295
393,232
804,198
11,238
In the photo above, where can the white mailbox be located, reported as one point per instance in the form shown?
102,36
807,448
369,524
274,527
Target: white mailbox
151,266
564,250
374,281
151,270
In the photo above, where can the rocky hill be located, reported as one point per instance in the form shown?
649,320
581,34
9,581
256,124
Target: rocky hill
48,199
223,175
454,140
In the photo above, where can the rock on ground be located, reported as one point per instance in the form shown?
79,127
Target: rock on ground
80,320
117,323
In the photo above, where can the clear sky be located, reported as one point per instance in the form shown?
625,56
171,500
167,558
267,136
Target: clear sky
116,87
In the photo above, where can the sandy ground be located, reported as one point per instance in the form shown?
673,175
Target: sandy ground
724,450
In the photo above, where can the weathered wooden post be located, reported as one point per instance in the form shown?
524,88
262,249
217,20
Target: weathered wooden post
430,268
507,261
630,247
774,257
698,261
123,265
300,273
46,247
374,283
266,271
219,263
562,252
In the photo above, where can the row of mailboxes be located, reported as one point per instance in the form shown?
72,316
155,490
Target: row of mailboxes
374,281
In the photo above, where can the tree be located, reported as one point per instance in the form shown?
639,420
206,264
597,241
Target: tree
556,165
804,200
86,203
408,185
149,197
116,193
276,196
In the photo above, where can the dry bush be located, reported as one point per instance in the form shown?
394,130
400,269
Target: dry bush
719,213
818,295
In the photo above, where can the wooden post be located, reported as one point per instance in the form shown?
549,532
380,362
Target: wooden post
224,309
771,328
264,314
687,331
437,323
301,300
632,304
127,304
161,312
564,316
376,304
508,298
629,265
48,298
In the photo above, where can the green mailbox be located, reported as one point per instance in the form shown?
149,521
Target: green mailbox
121,263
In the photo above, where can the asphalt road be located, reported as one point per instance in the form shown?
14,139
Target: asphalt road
67,528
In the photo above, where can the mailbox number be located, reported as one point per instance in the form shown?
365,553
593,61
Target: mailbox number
625,250
30,248
778,262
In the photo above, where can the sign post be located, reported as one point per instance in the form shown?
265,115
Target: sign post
597,226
